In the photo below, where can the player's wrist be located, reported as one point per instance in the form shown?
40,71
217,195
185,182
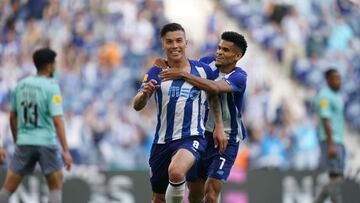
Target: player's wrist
184,75
144,95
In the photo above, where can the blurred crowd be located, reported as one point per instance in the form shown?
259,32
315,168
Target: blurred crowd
104,48
306,38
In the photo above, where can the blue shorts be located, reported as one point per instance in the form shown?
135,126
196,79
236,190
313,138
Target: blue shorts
160,158
213,164
336,165
26,157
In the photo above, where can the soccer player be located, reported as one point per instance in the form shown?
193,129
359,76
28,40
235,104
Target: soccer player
330,111
35,120
230,84
179,137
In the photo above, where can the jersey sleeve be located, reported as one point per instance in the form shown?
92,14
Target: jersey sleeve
207,59
324,107
209,72
151,74
13,100
55,101
237,81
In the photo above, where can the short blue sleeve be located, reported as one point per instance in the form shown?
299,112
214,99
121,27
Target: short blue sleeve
207,59
152,73
237,81
209,72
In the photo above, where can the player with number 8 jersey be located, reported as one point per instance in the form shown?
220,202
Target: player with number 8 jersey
179,136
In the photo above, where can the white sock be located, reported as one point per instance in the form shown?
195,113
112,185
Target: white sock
175,192
334,189
55,196
4,196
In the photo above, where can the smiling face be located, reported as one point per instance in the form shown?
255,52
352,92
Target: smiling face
174,45
227,54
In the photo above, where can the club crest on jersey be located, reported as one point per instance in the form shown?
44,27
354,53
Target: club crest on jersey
324,104
145,77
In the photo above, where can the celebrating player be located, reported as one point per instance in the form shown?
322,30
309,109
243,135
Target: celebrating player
230,84
179,137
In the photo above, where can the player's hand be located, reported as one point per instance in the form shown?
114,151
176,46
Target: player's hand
171,74
2,155
150,87
220,140
68,160
332,151
160,62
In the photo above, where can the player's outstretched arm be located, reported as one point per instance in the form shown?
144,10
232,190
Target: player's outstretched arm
213,87
60,131
201,83
13,124
142,97
219,136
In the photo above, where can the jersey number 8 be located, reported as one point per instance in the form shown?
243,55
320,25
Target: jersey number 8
196,144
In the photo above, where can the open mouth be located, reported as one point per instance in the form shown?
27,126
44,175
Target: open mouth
219,58
175,53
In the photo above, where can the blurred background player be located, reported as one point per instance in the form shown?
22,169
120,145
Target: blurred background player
35,120
179,138
330,110
2,151
230,83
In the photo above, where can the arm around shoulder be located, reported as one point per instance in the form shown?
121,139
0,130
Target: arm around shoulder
207,85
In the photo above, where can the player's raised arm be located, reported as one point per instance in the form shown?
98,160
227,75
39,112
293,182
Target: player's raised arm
141,98
150,84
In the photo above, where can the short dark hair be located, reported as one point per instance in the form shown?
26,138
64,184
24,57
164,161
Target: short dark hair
237,39
170,27
329,72
42,57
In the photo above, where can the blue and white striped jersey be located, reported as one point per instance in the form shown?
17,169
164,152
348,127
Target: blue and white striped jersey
180,112
231,103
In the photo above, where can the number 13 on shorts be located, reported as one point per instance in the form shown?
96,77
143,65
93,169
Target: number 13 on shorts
222,162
